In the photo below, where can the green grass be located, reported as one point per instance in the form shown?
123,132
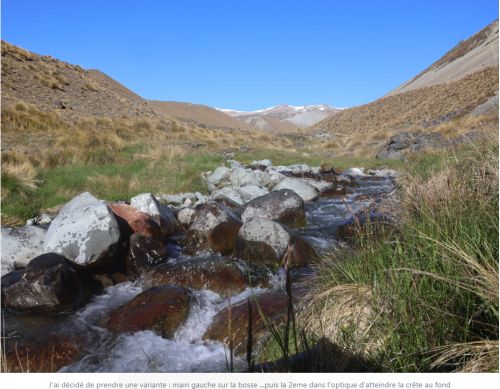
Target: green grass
283,157
115,181
431,285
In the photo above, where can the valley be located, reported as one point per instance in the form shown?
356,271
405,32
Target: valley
161,236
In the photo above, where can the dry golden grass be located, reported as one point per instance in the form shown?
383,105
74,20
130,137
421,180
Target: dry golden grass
439,108
343,314
24,173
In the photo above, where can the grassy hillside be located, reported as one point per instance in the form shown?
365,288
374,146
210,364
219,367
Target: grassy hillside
50,84
440,108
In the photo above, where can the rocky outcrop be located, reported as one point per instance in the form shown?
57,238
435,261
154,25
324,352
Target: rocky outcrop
50,283
85,231
284,206
161,309
410,142
143,254
306,191
217,275
165,218
265,242
214,227
21,245
139,222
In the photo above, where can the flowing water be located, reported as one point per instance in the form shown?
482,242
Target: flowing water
145,351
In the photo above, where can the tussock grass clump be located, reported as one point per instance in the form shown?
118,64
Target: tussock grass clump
424,297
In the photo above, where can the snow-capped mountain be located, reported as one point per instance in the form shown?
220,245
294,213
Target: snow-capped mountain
283,117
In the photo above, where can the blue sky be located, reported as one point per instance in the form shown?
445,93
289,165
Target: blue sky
248,54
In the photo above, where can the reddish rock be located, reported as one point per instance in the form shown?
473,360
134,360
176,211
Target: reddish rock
138,221
218,275
161,309
44,355
272,304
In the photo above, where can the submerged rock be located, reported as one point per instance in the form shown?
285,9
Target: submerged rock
284,206
217,275
143,254
139,222
85,231
165,218
50,283
42,355
263,241
306,191
21,245
273,305
160,309
214,227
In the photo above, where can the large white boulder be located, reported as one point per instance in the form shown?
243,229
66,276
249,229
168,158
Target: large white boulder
85,231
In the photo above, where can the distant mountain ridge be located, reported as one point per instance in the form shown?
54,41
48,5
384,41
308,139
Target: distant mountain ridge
284,117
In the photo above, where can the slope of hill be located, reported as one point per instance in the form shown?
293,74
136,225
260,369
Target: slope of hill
473,54
434,108
198,115
50,84
283,118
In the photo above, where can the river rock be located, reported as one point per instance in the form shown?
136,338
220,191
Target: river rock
275,177
242,177
143,254
160,309
263,162
263,241
139,222
272,304
373,222
42,219
219,178
229,193
167,221
250,192
214,227
355,171
302,188
284,206
186,217
50,283
21,245
42,355
217,275
322,186
85,231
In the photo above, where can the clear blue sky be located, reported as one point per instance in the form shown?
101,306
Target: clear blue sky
248,54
